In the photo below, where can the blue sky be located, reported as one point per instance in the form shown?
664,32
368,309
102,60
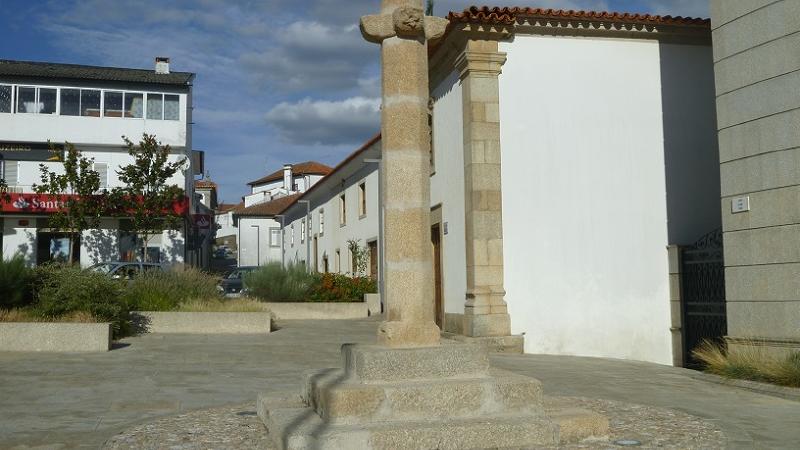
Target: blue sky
277,80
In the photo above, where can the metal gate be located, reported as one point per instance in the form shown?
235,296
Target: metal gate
703,293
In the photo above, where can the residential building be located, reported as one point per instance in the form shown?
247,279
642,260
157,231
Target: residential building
256,220
340,208
90,107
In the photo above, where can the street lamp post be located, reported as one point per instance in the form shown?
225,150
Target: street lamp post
258,244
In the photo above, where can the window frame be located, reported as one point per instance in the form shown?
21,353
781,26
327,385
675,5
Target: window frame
277,243
362,199
303,230
321,215
11,101
342,209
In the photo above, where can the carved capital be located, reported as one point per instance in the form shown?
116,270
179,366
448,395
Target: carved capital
480,64
405,21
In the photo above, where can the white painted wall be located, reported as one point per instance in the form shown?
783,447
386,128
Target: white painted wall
19,240
584,200
254,243
226,225
333,236
447,189
100,245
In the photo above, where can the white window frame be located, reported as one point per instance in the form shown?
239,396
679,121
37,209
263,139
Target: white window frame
362,199
277,243
342,209
13,103
36,89
292,235
322,222
302,230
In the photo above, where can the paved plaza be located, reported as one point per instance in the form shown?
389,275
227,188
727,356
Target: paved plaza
80,401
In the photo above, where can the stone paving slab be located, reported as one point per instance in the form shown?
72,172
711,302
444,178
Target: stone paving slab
65,400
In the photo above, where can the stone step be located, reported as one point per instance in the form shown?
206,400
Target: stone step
338,399
375,364
295,428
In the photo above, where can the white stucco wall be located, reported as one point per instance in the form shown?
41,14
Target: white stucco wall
447,189
254,241
584,197
19,240
334,236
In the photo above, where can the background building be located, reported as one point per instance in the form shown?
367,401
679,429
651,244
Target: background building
90,107
758,100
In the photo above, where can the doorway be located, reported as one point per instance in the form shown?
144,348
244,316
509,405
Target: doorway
373,259
436,248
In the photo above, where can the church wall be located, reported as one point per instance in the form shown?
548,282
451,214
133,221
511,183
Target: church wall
447,189
584,197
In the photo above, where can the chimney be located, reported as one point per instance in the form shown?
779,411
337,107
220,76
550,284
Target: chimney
287,177
162,65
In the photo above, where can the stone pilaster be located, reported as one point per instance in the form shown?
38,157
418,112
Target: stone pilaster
485,312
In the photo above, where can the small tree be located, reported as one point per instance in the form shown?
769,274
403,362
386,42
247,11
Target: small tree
148,198
360,257
76,190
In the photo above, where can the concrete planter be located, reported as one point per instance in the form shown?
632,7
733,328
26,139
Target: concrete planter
55,337
373,302
205,322
313,311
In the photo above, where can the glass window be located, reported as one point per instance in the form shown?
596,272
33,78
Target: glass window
70,102
171,107
5,99
303,231
134,105
48,98
274,237
342,210
90,103
321,221
362,199
113,104
26,100
155,106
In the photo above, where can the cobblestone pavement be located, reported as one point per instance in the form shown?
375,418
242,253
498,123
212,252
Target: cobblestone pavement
80,401
236,427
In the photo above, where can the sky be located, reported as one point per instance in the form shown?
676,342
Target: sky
278,81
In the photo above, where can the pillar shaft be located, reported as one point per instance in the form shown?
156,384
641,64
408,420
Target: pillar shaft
485,312
406,190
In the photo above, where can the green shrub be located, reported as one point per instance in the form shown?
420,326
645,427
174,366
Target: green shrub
333,287
274,283
163,291
15,283
64,290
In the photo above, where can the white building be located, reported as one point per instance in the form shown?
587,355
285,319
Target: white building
90,107
341,207
602,131
256,221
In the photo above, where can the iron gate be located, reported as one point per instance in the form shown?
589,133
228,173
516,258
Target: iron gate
703,293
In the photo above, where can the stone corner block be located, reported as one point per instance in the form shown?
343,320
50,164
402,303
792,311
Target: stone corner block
372,363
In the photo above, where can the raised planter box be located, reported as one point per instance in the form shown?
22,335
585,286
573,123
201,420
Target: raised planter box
55,337
313,311
204,322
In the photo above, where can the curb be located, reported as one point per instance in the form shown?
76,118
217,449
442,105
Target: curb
788,393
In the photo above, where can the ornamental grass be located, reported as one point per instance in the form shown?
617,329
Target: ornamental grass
750,362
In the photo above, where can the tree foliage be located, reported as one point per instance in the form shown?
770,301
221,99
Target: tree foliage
148,198
360,257
77,190
429,4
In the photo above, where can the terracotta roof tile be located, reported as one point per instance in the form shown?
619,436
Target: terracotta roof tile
303,168
266,209
225,207
510,15
208,184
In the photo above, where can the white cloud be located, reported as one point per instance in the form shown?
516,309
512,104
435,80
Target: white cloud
308,121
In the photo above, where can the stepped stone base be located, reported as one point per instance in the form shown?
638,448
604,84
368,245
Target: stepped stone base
436,397
495,344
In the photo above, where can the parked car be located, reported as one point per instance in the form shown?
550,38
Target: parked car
124,270
233,283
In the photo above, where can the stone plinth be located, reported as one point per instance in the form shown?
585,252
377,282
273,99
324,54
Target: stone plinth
55,337
427,397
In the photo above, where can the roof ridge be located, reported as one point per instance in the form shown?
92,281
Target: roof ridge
85,66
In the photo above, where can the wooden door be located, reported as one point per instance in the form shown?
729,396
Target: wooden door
373,259
436,241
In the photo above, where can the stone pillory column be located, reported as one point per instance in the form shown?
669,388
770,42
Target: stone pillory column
403,32
485,313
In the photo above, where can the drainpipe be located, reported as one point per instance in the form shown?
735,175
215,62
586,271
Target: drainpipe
283,248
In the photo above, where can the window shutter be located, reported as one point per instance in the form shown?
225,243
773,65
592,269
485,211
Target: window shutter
102,171
11,172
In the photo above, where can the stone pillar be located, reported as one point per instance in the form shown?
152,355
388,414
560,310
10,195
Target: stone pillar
485,313
675,304
403,31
